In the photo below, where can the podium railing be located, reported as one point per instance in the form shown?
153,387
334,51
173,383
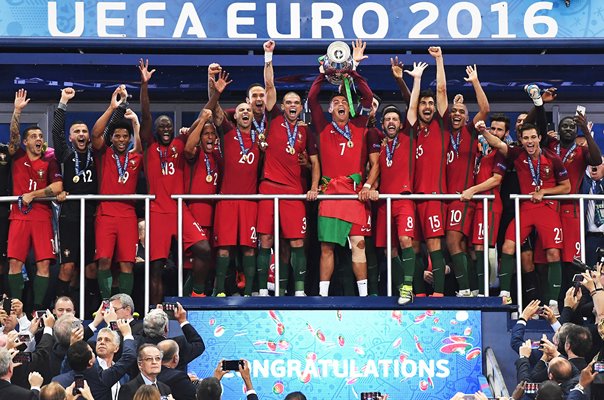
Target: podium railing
89,197
277,198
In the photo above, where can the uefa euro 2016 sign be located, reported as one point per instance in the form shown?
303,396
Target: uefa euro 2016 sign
399,21
408,354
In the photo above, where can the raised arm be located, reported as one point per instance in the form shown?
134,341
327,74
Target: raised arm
492,140
594,156
366,99
416,73
58,126
98,130
442,103
195,134
219,85
136,127
397,73
481,97
318,119
21,101
269,80
146,126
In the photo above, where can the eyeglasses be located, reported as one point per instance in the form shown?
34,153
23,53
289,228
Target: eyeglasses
152,359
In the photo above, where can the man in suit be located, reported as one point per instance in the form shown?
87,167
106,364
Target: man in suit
7,389
210,388
149,363
155,329
82,360
179,382
121,307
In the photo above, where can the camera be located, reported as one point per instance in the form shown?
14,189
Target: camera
231,365
169,309
22,357
579,265
113,326
79,384
6,305
600,255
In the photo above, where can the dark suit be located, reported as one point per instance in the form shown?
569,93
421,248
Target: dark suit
100,380
136,326
179,382
40,362
8,391
128,390
190,345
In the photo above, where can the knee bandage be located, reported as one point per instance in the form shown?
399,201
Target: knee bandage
357,245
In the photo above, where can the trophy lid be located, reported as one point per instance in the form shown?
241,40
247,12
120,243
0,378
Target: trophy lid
338,52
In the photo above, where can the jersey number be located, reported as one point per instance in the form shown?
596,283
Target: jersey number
343,146
557,235
247,158
124,178
434,222
33,185
303,225
87,176
168,169
419,151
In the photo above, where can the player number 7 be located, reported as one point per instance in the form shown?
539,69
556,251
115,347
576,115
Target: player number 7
343,146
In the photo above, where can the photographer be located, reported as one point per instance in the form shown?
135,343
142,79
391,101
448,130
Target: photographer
211,389
594,212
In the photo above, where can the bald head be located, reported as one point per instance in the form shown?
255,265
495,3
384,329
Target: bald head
170,349
560,369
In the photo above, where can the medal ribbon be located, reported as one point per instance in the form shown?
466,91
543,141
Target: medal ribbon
535,175
344,132
390,151
572,148
20,205
259,128
79,172
240,138
455,141
121,170
163,157
291,137
207,161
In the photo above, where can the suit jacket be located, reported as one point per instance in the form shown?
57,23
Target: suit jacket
40,362
136,326
100,380
128,390
517,340
179,382
8,391
190,345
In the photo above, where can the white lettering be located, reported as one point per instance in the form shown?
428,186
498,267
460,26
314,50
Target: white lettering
103,21
405,370
531,19
278,368
359,14
426,369
78,28
442,368
143,22
417,31
453,20
336,369
234,20
371,369
189,13
333,22
294,18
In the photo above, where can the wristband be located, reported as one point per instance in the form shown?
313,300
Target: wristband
268,56
366,186
355,64
521,319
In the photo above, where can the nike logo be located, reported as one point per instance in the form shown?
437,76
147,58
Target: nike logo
556,286
406,259
26,164
302,272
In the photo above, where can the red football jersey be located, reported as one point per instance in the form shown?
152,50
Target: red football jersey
431,156
31,175
551,171
240,174
110,184
461,158
280,166
486,167
337,157
575,162
164,168
396,177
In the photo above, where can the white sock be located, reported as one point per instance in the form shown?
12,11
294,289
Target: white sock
362,285
504,293
299,293
324,288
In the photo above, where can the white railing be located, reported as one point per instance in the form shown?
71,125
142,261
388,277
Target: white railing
517,197
276,198
82,199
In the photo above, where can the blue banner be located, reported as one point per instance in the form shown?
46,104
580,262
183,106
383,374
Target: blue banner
340,354
206,22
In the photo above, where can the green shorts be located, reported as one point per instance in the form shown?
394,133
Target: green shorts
333,230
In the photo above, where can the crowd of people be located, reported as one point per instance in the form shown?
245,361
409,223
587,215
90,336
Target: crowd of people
262,147
54,357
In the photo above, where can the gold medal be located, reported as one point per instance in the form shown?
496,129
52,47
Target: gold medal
290,150
208,178
261,137
76,179
350,144
389,163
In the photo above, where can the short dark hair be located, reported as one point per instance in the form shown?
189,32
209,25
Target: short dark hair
549,390
79,355
527,126
209,389
253,85
123,124
501,118
579,340
336,94
390,108
29,129
378,98
426,93
78,122
295,396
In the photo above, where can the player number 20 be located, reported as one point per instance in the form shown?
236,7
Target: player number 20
247,158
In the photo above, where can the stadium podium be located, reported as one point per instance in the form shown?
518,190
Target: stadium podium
343,346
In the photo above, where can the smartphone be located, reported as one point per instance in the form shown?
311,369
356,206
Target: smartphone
113,326
40,315
23,357
24,338
540,310
372,395
169,309
550,127
79,383
580,110
536,344
231,365
531,388
6,305
106,305
599,367
76,324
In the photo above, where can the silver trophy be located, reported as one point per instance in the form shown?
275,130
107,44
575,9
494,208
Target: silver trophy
337,62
